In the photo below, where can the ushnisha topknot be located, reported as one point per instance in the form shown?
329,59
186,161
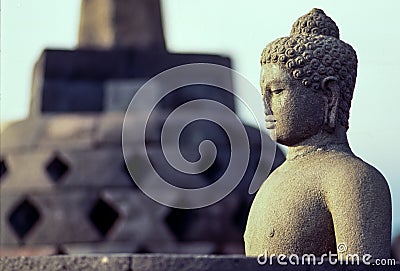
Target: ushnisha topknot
314,51
316,22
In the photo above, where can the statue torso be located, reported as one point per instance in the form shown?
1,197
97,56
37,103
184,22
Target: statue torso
289,214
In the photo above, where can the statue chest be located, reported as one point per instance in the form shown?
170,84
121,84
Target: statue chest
289,216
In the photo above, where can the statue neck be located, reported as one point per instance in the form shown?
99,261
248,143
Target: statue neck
321,142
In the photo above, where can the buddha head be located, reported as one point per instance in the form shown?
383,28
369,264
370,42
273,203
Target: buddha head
307,80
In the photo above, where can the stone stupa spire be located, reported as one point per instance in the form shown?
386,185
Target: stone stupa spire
134,24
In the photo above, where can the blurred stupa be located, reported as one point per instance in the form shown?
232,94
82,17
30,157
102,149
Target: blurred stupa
64,184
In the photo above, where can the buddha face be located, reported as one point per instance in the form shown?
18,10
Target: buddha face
297,112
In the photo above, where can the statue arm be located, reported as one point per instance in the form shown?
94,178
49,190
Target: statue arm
360,204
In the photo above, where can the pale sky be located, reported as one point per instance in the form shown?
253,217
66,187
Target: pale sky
239,29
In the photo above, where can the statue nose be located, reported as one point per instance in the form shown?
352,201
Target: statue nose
267,106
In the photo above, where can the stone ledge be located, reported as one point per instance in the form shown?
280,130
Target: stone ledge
162,262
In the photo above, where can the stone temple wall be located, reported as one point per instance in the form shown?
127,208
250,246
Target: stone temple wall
65,188
162,262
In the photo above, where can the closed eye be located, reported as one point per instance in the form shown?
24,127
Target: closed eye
277,91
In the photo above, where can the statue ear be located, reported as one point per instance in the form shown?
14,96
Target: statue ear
331,89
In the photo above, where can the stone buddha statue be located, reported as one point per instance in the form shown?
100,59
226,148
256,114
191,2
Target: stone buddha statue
323,196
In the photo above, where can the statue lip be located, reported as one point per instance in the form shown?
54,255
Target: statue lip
270,125
270,122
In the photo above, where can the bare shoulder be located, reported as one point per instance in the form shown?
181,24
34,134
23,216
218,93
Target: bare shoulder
358,198
348,174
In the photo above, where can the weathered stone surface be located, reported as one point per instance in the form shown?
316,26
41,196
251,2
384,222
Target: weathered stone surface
203,225
189,262
37,85
68,131
43,250
213,224
164,262
27,170
73,81
100,65
77,194
181,248
58,215
96,24
99,247
322,198
61,213
232,248
21,135
96,168
8,203
211,262
134,217
119,93
162,167
194,130
109,129
118,23
195,92
141,219
44,169
72,96
58,263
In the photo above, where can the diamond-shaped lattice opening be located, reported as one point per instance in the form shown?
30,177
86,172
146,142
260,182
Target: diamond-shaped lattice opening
3,168
56,169
60,250
23,218
142,250
103,217
179,222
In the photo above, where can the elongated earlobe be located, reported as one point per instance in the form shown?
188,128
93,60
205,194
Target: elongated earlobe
331,90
